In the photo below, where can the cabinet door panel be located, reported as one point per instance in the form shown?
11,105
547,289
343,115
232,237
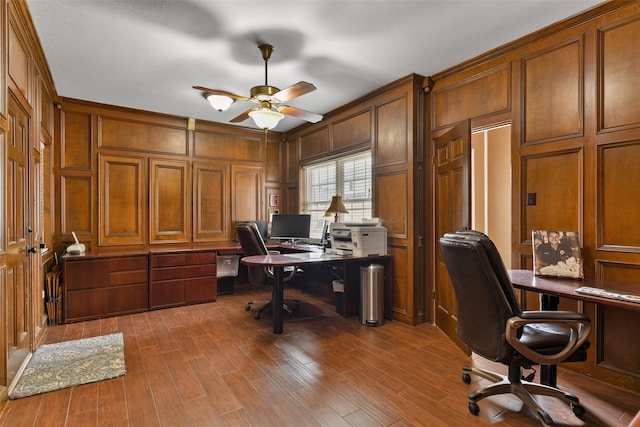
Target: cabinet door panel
246,193
210,207
122,198
168,201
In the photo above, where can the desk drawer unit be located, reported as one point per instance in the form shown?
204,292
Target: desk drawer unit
104,286
179,278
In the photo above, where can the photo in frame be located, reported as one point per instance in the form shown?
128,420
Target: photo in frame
274,200
557,254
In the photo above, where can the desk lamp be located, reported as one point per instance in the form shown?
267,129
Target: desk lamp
337,207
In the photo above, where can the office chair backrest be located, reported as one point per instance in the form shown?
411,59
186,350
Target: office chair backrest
250,239
252,244
496,262
483,307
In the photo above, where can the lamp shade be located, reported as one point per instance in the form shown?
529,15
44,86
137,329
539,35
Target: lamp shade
220,102
265,117
336,207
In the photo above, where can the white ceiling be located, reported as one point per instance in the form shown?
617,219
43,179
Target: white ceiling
147,54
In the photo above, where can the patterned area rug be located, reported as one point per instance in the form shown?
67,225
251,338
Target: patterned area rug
65,364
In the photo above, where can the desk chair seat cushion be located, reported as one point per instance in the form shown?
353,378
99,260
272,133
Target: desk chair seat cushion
492,324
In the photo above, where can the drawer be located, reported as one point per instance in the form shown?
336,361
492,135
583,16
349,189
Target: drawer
200,270
167,260
130,277
167,273
129,263
201,289
86,304
128,299
200,258
167,294
86,274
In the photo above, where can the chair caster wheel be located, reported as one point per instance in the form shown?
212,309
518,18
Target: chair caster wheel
247,308
257,316
474,409
466,378
578,409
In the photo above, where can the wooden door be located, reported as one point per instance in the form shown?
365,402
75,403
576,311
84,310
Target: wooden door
19,236
452,212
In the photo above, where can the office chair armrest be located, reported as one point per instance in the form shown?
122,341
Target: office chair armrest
578,324
274,252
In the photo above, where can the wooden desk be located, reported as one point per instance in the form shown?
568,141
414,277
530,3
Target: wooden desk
351,263
566,288
551,288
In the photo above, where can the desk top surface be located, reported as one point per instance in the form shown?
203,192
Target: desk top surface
526,280
284,260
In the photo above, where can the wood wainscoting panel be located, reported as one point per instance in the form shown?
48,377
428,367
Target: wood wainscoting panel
351,131
76,206
292,159
392,140
553,92
19,68
210,193
392,202
121,133
483,94
168,201
619,74
557,180
618,196
314,144
402,288
75,144
222,146
122,196
273,168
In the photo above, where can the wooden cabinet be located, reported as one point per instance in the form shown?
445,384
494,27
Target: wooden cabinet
102,286
182,277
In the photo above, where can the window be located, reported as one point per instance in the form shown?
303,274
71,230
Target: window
349,177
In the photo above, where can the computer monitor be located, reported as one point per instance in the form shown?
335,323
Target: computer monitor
290,227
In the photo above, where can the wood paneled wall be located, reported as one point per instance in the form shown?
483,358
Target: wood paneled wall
570,93
129,177
389,123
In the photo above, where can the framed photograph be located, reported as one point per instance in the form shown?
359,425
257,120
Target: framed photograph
273,200
557,254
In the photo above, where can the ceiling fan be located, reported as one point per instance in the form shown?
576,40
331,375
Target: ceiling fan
270,99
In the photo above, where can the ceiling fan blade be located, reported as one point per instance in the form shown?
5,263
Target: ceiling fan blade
242,117
221,92
294,91
300,113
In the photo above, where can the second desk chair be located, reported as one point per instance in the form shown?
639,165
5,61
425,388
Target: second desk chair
252,244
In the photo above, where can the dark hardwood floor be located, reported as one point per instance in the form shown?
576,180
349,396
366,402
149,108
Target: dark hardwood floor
214,365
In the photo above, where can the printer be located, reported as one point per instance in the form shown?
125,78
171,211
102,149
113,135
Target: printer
358,239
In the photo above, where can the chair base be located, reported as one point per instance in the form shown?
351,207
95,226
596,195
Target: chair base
289,306
524,390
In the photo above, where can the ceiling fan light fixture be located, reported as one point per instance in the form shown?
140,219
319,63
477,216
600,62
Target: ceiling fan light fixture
220,102
265,117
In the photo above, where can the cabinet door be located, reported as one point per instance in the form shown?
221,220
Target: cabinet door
210,207
122,199
168,201
246,193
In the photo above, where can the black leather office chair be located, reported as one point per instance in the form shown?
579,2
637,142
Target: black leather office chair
252,244
492,324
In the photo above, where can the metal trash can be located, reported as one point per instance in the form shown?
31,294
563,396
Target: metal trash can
372,295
